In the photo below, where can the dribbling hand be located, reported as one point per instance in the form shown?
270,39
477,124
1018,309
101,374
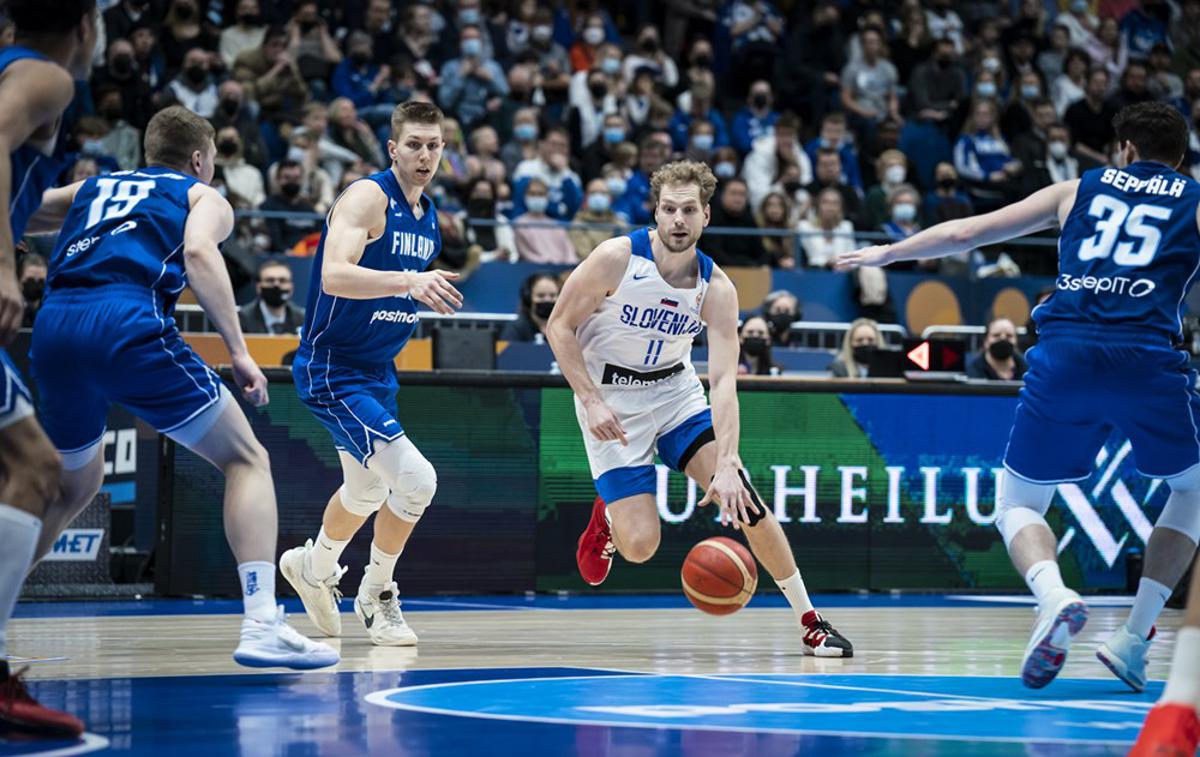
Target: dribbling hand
434,289
730,494
250,379
603,423
869,257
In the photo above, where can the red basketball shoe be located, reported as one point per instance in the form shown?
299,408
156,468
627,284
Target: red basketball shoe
22,716
821,639
1170,730
596,549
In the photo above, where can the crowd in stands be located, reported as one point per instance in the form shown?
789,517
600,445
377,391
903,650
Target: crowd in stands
824,120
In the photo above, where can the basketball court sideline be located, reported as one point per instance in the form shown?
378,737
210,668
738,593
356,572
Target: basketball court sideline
590,674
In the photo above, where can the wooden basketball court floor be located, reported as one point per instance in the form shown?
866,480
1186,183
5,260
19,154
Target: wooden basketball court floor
585,675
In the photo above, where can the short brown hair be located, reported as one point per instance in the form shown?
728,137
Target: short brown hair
415,112
174,134
684,172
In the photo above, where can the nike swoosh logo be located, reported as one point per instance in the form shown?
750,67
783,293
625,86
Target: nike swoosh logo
127,226
636,277
368,620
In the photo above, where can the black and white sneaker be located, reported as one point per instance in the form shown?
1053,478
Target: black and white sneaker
382,618
821,639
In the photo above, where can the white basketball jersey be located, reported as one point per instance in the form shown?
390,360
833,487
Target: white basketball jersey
643,332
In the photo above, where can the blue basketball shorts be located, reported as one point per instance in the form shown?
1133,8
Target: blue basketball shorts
15,401
93,347
357,405
1077,391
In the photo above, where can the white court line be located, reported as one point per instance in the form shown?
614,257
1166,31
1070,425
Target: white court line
91,743
478,605
380,698
1012,599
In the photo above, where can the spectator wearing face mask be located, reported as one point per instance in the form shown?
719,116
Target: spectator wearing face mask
754,358
242,179
903,212
552,168
833,136
538,295
781,309
1056,163
597,209
90,134
31,273
755,119
999,359
470,80
286,232
193,88
272,310
733,210
600,152
122,141
649,54
245,34
539,238
860,342
892,169
947,200
589,116
493,241
829,174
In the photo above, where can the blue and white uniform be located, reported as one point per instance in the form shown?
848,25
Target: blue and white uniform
344,370
35,168
637,349
1106,357
106,331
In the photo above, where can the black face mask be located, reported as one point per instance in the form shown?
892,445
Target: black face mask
759,101
33,289
781,323
947,184
1001,350
649,46
196,74
290,190
112,115
944,62
791,186
274,296
359,58
307,26
543,309
754,346
862,353
184,12
228,147
598,89
122,65
230,107
481,207
702,61
250,19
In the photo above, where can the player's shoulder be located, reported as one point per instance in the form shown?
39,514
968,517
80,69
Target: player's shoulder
35,79
616,249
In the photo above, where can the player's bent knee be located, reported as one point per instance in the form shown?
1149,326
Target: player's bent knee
1020,503
639,547
1182,511
414,489
362,500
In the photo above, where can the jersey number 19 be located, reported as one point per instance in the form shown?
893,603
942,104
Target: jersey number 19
116,199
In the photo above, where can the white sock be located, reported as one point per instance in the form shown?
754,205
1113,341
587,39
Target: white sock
1183,685
797,595
1044,579
323,557
258,589
1150,599
379,571
19,532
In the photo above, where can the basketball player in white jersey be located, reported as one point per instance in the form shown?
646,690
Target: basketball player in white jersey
622,333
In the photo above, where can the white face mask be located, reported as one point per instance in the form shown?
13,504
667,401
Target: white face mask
1058,150
593,35
903,212
895,174
991,64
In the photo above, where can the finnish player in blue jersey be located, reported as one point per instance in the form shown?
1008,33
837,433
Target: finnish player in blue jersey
54,41
1128,251
368,276
622,331
131,241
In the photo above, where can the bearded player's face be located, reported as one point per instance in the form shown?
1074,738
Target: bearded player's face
681,216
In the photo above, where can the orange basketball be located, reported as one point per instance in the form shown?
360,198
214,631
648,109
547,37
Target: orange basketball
719,576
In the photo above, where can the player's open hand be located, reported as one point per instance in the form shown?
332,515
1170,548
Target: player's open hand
731,495
250,379
435,290
12,306
869,257
603,423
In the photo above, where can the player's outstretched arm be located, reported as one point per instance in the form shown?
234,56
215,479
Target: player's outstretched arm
359,217
56,203
1040,210
720,313
595,278
209,222
33,95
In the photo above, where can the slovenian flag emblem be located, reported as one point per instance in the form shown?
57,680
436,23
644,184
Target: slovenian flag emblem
669,302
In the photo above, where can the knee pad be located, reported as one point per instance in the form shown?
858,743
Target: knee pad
411,477
362,492
1020,503
1182,511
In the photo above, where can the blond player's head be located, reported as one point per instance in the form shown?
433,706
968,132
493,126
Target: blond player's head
179,139
681,192
416,143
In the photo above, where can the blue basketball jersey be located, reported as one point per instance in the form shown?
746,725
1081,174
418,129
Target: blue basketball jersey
125,228
1128,252
372,332
34,170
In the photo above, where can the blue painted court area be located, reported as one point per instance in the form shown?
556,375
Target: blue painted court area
581,711
116,608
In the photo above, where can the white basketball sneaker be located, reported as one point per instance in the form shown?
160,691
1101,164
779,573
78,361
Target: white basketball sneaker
382,618
1058,622
319,595
276,644
1125,655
